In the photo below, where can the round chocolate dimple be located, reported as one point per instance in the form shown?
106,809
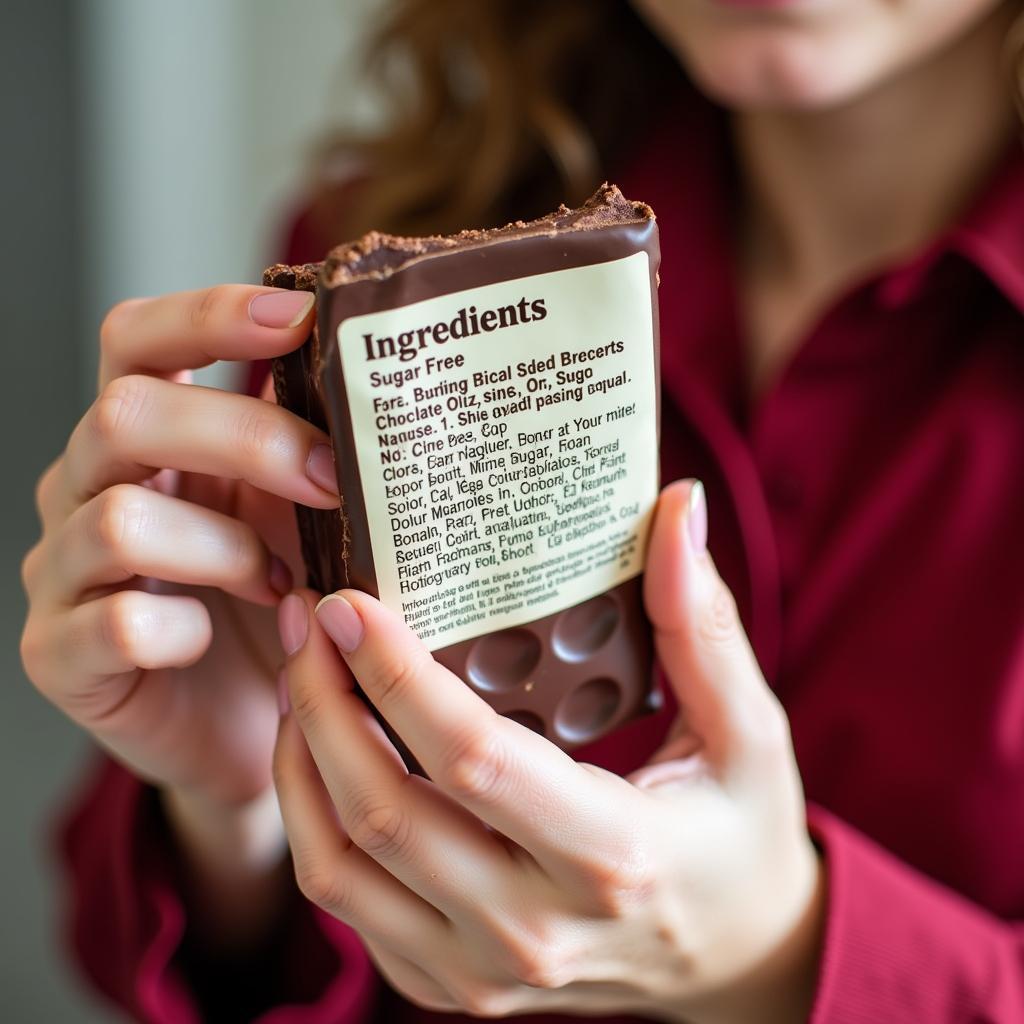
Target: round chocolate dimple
583,713
581,631
527,718
501,661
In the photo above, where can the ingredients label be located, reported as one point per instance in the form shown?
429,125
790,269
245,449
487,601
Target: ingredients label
506,439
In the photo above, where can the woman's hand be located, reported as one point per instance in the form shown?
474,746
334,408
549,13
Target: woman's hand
166,527
518,880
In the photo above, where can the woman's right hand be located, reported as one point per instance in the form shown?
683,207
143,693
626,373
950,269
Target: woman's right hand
168,538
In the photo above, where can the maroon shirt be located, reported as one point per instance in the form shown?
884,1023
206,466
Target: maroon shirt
867,512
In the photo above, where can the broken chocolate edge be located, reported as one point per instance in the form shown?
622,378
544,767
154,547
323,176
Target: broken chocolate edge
305,276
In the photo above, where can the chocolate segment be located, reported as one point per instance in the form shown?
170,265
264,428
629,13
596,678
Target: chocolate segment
499,391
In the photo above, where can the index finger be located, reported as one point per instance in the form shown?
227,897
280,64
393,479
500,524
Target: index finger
507,775
187,330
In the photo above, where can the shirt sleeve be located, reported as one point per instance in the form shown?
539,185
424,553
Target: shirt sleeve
901,947
128,928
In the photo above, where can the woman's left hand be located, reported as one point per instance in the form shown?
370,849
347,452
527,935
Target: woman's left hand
518,880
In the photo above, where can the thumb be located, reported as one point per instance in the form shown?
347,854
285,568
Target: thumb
700,641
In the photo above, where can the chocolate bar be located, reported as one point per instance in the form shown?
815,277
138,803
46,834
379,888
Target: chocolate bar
493,401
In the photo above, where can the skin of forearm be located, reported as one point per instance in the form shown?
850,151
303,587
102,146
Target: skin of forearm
235,874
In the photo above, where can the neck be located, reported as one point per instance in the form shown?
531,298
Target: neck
836,193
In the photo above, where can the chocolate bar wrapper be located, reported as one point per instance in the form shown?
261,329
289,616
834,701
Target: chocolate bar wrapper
493,400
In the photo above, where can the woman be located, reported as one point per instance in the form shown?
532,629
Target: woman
842,218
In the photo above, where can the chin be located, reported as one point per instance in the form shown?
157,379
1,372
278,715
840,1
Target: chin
795,74
806,55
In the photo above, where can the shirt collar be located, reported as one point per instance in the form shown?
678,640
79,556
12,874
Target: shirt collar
991,235
686,172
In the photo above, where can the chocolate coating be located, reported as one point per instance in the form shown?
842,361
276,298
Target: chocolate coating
572,676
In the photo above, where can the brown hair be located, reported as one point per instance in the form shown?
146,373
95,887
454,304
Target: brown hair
501,109
497,109
1015,61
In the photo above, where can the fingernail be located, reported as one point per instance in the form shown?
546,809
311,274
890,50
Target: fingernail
292,623
280,577
697,518
284,700
320,468
280,309
341,622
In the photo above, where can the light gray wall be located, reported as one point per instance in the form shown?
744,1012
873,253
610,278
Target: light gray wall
199,118
148,146
41,384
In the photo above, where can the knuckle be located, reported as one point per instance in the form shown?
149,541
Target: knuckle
678,938
397,675
378,825
258,433
536,960
246,554
30,567
110,327
121,518
718,621
307,701
535,970
325,887
204,305
120,407
485,1001
121,627
619,884
44,487
472,766
30,649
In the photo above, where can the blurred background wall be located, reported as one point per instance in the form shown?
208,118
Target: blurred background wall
147,147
